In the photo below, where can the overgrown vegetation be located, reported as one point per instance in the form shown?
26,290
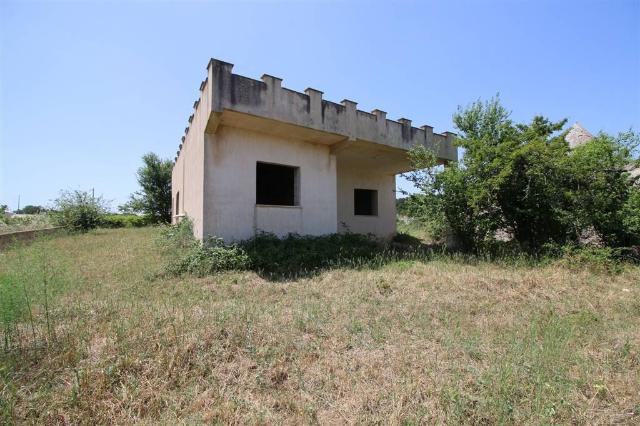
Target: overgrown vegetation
153,200
296,256
79,211
289,257
27,293
99,337
113,220
521,182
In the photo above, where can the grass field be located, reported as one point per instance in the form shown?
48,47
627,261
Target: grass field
92,334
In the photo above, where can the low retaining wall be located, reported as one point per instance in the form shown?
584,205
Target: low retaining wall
25,236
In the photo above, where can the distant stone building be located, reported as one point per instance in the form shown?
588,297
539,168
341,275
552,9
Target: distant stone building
259,157
578,135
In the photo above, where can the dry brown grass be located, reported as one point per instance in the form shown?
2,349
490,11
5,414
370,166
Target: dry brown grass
409,343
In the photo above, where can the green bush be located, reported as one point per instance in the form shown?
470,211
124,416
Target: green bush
599,191
521,182
124,221
267,254
208,258
79,211
190,256
597,259
631,215
297,255
177,238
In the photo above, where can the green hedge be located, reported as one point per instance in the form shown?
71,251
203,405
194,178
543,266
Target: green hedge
124,221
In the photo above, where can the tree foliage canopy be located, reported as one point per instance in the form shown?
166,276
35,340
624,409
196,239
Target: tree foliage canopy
154,197
30,209
523,181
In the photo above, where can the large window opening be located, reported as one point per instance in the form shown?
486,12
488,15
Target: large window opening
277,185
177,203
365,202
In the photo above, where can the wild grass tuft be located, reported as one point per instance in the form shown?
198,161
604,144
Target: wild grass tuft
29,295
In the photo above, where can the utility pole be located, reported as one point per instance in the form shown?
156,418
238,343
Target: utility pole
18,203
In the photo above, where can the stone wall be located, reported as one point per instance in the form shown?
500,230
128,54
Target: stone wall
7,240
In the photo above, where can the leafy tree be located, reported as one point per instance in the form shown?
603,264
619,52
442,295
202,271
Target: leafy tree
441,204
522,180
506,180
29,209
631,215
79,211
529,190
598,188
154,198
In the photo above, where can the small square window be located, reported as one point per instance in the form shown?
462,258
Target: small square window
365,202
277,185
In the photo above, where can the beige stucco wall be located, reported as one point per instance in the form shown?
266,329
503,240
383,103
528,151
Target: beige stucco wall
230,185
382,225
188,172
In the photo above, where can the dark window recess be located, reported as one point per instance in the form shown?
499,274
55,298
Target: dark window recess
365,202
276,185
177,203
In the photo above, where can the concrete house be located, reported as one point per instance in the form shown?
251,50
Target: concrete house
259,157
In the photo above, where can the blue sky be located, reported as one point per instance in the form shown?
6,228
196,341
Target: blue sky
88,87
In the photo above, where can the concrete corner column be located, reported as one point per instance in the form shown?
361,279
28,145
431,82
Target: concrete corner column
219,77
315,105
351,117
450,145
381,121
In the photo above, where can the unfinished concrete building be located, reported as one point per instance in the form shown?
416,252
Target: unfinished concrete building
257,157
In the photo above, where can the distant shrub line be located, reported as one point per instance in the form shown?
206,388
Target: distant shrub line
124,221
81,211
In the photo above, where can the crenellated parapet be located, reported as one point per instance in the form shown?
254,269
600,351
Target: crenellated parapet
267,98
